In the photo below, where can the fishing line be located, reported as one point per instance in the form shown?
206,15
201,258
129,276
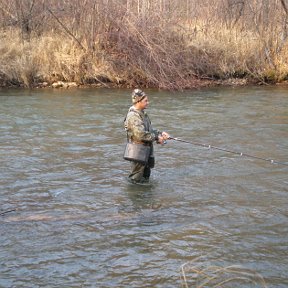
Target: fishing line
229,151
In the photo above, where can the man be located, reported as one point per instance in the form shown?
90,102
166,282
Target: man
139,131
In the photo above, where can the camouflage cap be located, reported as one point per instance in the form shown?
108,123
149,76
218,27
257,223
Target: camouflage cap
137,95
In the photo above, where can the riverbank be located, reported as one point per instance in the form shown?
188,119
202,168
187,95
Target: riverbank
152,50
57,61
194,84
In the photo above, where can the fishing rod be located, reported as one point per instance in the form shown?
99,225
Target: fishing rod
227,150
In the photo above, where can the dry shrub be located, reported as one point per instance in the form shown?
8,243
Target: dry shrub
14,61
167,44
146,53
49,58
222,53
173,54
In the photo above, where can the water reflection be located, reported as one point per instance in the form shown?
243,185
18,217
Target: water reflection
141,196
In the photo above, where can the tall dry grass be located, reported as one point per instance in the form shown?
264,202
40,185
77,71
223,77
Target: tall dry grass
48,58
167,44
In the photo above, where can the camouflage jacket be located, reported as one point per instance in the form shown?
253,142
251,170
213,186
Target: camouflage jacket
139,128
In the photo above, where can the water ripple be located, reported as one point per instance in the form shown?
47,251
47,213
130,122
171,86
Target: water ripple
73,221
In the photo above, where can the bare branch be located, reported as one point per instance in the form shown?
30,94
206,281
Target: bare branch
65,28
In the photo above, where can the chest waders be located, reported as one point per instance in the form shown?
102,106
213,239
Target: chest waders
138,152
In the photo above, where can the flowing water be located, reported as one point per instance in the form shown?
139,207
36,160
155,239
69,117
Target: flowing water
69,218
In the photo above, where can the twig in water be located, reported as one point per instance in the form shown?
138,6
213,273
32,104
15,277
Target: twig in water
8,211
202,275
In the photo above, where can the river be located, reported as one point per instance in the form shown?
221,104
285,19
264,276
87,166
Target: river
70,219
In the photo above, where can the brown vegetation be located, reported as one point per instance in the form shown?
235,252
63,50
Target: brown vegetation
170,44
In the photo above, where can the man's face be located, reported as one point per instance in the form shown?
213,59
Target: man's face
143,104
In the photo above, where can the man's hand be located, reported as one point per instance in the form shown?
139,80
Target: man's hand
165,136
160,140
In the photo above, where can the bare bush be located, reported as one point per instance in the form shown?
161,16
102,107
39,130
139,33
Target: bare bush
160,43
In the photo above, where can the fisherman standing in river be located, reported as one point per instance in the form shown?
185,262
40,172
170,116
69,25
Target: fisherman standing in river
140,138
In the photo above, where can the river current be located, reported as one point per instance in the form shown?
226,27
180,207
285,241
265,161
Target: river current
69,218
